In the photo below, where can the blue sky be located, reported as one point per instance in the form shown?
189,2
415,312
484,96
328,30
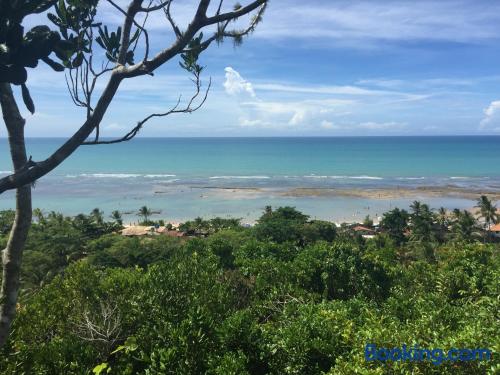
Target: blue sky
316,68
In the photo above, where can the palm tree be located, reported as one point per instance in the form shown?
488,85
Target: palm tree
368,222
464,226
38,214
416,206
421,220
145,213
442,217
97,216
487,211
443,222
117,217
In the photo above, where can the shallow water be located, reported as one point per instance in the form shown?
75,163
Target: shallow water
189,177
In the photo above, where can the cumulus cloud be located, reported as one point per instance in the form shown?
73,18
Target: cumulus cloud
235,84
491,115
296,113
327,107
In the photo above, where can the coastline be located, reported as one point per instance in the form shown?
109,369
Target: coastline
382,193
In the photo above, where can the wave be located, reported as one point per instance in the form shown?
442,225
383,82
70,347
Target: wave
5,172
411,178
366,177
239,177
110,175
159,175
119,175
345,177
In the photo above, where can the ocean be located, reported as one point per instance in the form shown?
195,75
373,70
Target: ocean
181,178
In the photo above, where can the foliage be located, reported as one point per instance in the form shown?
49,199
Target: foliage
395,223
237,300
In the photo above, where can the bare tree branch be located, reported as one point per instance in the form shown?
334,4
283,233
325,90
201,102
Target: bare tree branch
235,14
34,170
176,29
133,8
156,7
189,108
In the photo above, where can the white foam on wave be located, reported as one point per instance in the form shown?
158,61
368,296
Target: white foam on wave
345,177
110,175
239,177
5,172
159,175
459,178
119,175
366,178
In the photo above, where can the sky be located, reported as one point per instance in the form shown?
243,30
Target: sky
312,68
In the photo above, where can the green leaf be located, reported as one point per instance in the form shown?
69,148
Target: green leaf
100,368
77,61
18,74
54,65
27,99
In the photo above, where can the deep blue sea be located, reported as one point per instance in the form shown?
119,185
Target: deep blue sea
182,177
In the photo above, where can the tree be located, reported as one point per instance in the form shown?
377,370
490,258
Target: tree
368,222
395,223
422,221
145,213
38,214
487,211
281,225
97,216
464,227
117,217
443,222
81,36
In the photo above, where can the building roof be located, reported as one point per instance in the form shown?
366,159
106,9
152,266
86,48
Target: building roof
360,228
137,230
143,230
495,228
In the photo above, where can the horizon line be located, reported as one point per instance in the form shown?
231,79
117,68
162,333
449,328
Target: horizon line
283,136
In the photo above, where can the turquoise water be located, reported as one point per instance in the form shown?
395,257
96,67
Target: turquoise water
178,176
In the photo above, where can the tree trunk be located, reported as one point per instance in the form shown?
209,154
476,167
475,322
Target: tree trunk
12,254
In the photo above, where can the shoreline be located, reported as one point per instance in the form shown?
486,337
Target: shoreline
382,193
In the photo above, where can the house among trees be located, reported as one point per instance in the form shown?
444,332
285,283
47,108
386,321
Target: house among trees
495,230
364,231
150,230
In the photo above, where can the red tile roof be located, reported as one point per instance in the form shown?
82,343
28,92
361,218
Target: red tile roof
360,228
495,228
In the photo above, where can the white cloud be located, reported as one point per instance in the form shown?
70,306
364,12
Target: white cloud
366,22
329,125
236,85
491,115
362,126
295,113
370,125
245,122
114,127
273,109
348,90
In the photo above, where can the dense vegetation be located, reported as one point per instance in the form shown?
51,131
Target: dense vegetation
287,296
